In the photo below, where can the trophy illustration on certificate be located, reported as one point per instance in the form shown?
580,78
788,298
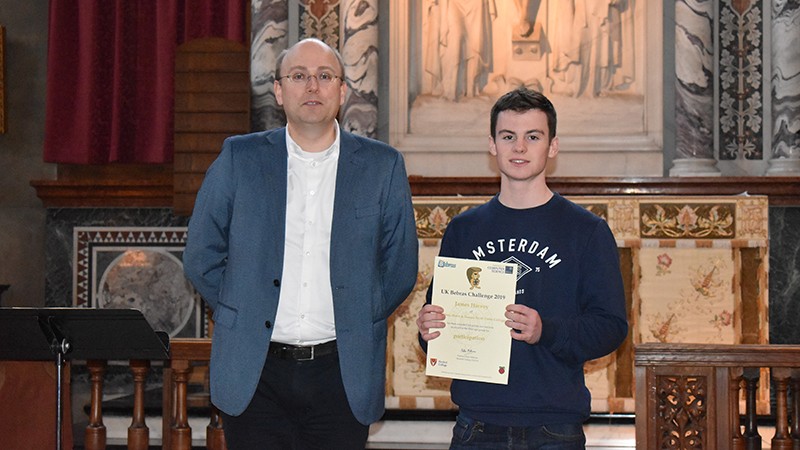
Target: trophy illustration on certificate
475,343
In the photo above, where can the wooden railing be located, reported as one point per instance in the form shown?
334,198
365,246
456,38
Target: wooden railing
186,356
688,396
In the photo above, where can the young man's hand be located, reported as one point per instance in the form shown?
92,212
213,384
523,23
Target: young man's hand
430,318
525,323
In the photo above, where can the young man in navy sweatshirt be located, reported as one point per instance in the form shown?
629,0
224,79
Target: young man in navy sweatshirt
570,303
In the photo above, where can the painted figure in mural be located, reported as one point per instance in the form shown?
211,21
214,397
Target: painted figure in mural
459,46
302,242
570,302
524,26
592,46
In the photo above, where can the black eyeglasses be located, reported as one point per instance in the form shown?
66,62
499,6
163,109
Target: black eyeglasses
323,78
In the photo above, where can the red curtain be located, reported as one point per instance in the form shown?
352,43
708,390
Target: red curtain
110,74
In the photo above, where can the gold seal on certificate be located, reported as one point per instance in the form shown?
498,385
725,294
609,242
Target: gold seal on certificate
475,343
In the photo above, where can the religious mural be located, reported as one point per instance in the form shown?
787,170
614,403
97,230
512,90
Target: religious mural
587,56
483,47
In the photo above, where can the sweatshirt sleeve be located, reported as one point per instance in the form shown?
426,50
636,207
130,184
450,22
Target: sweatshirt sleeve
601,325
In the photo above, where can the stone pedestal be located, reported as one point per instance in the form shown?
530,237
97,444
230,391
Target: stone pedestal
694,167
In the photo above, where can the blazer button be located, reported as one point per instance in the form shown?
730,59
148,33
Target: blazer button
268,324
276,282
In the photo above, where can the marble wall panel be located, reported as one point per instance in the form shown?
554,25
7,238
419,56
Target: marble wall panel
694,86
786,79
784,275
270,35
349,26
360,53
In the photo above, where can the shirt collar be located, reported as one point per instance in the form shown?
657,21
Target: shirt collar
295,151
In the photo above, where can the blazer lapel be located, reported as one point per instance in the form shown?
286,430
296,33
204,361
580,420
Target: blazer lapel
347,174
351,165
270,184
273,166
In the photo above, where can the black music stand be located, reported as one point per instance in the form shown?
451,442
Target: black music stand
43,334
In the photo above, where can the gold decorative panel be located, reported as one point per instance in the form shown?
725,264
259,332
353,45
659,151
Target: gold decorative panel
695,271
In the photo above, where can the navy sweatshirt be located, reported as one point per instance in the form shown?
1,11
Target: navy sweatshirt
569,272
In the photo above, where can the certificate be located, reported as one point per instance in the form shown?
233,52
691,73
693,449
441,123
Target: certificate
475,343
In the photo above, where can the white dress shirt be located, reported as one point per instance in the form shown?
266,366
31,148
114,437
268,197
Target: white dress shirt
305,306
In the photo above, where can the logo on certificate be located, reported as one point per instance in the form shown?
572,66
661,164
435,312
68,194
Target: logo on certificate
438,362
474,277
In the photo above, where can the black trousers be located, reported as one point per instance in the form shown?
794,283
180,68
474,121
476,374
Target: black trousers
298,405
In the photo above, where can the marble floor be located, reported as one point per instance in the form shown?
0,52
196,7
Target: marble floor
392,434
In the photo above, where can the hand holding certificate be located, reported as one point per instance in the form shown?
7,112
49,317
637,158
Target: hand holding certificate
475,344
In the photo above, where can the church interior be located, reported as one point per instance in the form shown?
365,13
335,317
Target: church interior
679,125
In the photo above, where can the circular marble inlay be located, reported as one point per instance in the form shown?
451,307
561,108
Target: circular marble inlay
152,281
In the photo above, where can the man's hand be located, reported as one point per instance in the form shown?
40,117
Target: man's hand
525,323
430,317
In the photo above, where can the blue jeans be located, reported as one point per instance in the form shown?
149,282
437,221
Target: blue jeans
473,434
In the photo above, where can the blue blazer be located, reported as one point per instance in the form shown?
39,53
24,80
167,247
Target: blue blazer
234,258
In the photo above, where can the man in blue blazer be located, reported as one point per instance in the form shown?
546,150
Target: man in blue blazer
302,242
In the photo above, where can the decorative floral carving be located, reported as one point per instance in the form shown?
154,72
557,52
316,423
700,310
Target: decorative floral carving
663,327
623,218
663,261
319,8
740,62
710,221
722,319
704,281
681,417
320,19
752,221
432,220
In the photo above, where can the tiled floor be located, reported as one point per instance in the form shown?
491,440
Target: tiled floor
436,435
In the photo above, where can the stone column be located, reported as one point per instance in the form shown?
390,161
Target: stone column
785,89
360,52
694,89
270,35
